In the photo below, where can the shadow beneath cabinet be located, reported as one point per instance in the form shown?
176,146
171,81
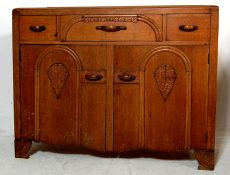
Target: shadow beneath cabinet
36,147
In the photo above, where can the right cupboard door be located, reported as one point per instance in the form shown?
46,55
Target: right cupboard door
165,107
167,94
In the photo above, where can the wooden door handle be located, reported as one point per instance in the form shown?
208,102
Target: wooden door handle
111,28
126,77
93,77
188,28
37,28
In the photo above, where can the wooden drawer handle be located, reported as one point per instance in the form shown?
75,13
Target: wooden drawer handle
126,77
111,28
93,77
188,28
37,28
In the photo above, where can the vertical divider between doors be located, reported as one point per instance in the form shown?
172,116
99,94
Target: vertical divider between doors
188,111
142,106
79,107
109,99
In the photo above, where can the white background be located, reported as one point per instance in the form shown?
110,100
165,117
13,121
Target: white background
6,80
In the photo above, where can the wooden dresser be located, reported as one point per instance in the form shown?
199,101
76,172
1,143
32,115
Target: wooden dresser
116,79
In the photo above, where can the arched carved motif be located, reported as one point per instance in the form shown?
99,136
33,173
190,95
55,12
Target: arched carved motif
160,49
57,85
112,18
152,24
62,49
173,75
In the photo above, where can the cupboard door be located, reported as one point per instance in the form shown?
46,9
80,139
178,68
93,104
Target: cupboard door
59,104
167,83
93,96
127,99
57,90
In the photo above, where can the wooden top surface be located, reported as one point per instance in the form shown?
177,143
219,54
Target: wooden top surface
116,10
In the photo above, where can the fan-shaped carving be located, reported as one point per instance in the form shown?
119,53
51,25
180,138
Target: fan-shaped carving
58,75
165,77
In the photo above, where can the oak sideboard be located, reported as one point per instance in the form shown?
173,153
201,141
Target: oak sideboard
116,79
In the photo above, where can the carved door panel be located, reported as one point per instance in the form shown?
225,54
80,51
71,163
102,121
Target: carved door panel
64,94
62,102
57,88
167,77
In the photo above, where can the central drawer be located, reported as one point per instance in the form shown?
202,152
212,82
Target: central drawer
111,28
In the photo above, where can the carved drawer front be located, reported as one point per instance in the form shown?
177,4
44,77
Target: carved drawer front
188,27
38,28
111,28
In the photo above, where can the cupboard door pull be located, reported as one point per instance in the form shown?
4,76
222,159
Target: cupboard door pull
37,28
93,77
111,28
188,28
126,77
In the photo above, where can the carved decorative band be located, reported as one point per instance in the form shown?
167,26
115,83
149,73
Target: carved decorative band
94,18
111,18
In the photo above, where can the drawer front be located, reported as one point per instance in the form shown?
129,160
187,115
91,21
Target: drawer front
38,28
187,27
111,28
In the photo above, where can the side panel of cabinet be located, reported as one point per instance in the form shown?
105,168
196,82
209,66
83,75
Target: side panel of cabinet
167,100
93,96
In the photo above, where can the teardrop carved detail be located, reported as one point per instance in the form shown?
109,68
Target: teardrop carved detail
58,75
165,77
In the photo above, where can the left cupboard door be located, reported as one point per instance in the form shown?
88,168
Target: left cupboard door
50,91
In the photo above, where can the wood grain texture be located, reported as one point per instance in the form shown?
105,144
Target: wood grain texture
212,79
92,119
126,114
116,10
150,86
29,55
198,56
109,99
16,74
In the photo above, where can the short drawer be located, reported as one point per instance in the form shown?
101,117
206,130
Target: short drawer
188,27
111,28
38,28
